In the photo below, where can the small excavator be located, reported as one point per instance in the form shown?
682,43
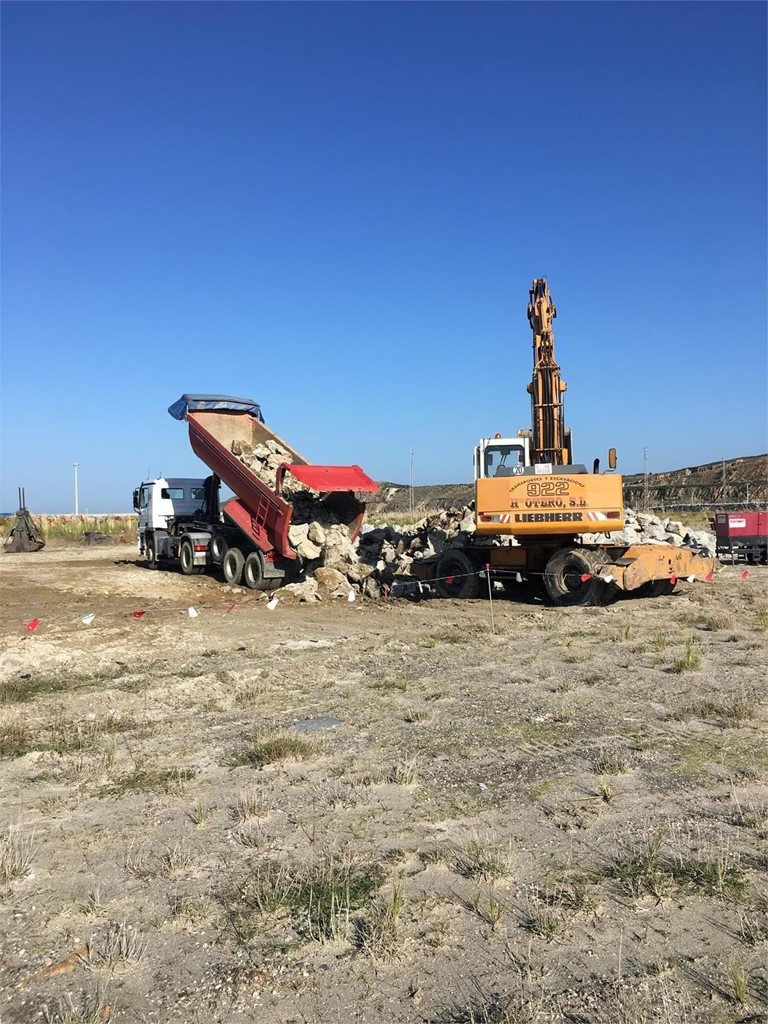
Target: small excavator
535,508
24,534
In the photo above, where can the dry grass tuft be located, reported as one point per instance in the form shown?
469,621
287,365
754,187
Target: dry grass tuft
123,944
378,930
16,853
611,760
484,858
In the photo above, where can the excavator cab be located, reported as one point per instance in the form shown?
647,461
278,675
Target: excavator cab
501,456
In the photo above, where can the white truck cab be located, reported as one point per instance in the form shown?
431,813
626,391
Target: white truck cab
158,501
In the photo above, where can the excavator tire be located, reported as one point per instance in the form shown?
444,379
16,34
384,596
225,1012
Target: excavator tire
456,575
232,566
563,582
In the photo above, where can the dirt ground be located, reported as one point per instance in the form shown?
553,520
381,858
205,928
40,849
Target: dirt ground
437,812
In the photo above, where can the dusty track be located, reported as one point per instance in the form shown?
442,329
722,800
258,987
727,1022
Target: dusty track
483,796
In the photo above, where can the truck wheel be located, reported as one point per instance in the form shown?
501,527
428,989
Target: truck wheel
187,559
457,575
219,548
563,582
253,571
150,551
232,566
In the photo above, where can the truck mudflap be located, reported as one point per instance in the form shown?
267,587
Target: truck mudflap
632,567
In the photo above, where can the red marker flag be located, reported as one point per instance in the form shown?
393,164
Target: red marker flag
709,577
673,580
139,615
585,576
745,574
449,580
32,626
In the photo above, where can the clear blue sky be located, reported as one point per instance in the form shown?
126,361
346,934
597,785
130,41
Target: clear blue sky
337,209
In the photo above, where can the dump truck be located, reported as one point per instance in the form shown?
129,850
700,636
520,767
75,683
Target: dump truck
184,524
535,508
743,535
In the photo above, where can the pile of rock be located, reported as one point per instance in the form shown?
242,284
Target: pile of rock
379,555
263,460
316,534
646,528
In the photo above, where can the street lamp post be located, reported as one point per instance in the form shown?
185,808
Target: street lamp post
77,503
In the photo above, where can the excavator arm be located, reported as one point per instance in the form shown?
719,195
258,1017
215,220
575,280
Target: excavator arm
551,440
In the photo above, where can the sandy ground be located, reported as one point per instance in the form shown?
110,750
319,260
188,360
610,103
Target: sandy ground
436,812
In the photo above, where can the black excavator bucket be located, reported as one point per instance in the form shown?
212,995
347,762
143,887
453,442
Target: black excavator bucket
24,535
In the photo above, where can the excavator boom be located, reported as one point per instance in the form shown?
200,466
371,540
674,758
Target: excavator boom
551,440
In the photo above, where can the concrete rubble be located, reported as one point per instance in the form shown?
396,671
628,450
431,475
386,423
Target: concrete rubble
646,528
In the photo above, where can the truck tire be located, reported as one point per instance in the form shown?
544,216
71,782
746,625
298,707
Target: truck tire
253,571
150,551
187,559
232,566
219,548
457,575
563,582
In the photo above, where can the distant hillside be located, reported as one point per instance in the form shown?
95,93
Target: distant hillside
743,480
740,481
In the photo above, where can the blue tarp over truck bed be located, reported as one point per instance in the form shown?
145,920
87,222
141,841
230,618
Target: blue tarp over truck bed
213,403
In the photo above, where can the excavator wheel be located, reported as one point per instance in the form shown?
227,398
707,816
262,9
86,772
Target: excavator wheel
457,575
563,578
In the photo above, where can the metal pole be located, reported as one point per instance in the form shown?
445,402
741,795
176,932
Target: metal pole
411,482
645,482
77,499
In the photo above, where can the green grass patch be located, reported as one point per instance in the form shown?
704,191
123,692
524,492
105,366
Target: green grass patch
158,780
390,685
651,871
734,712
689,662
273,749
62,736
316,899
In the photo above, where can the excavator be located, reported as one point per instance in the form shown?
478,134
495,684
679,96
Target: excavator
535,508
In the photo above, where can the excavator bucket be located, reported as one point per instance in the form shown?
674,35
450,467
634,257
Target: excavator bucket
23,535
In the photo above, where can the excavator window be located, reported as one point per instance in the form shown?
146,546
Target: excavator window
500,459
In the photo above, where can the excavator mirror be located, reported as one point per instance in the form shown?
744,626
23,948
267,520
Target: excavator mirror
612,458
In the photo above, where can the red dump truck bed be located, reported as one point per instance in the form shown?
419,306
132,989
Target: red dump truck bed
260,511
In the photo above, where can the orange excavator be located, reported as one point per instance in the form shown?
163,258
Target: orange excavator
535,509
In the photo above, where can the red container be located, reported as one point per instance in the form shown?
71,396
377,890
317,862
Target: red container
743,535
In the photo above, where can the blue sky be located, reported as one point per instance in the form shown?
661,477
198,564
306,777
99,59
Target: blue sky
337,209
